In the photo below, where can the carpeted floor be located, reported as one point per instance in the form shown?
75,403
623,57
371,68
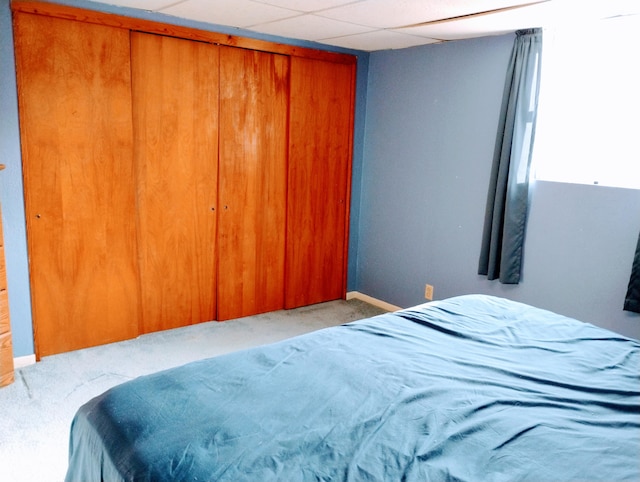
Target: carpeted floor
37,409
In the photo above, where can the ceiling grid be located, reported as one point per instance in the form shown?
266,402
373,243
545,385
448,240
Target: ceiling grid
372,25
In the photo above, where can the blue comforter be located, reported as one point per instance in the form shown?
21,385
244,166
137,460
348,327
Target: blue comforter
473,388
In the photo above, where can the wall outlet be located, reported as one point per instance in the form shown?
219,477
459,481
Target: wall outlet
428,292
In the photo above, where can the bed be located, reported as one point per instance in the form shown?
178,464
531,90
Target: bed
472,388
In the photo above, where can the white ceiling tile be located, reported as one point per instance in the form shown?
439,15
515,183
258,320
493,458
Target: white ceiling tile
458,30
141,4
234,13
570,11
549,15
307,5
378,40
310,27
400,13
477,26
400,18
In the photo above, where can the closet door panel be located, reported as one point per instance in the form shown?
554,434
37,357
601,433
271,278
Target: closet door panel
320,147
75,119
175,104
252,187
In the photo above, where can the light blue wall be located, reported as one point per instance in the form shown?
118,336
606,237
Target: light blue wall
356,175
429,138
11,194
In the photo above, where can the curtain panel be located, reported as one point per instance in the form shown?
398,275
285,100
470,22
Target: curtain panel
632,300
508,197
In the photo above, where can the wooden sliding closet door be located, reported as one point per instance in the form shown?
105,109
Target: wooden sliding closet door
252,190
175,114
74,82
320,146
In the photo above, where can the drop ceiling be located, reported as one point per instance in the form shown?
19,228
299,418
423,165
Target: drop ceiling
371,25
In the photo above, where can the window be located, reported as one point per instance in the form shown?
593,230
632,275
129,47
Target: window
588,128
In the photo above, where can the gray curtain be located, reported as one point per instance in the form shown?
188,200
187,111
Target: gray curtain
632,300
508,198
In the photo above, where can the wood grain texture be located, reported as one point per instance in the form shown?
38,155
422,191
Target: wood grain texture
74,89
6,346
175,112
7,374
320,150
252,191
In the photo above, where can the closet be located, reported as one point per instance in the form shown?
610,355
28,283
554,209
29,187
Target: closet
175,176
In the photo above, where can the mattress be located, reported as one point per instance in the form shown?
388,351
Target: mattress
466,389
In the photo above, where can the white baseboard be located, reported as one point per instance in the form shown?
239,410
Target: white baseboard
24,361
372,301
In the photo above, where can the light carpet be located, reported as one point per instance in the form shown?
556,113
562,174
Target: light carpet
37,409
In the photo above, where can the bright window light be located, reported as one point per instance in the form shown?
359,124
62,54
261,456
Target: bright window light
588,128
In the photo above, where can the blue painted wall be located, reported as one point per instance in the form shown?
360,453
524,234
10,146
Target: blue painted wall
431,119
11,188
11,197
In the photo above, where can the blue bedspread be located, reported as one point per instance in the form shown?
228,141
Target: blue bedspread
473,388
